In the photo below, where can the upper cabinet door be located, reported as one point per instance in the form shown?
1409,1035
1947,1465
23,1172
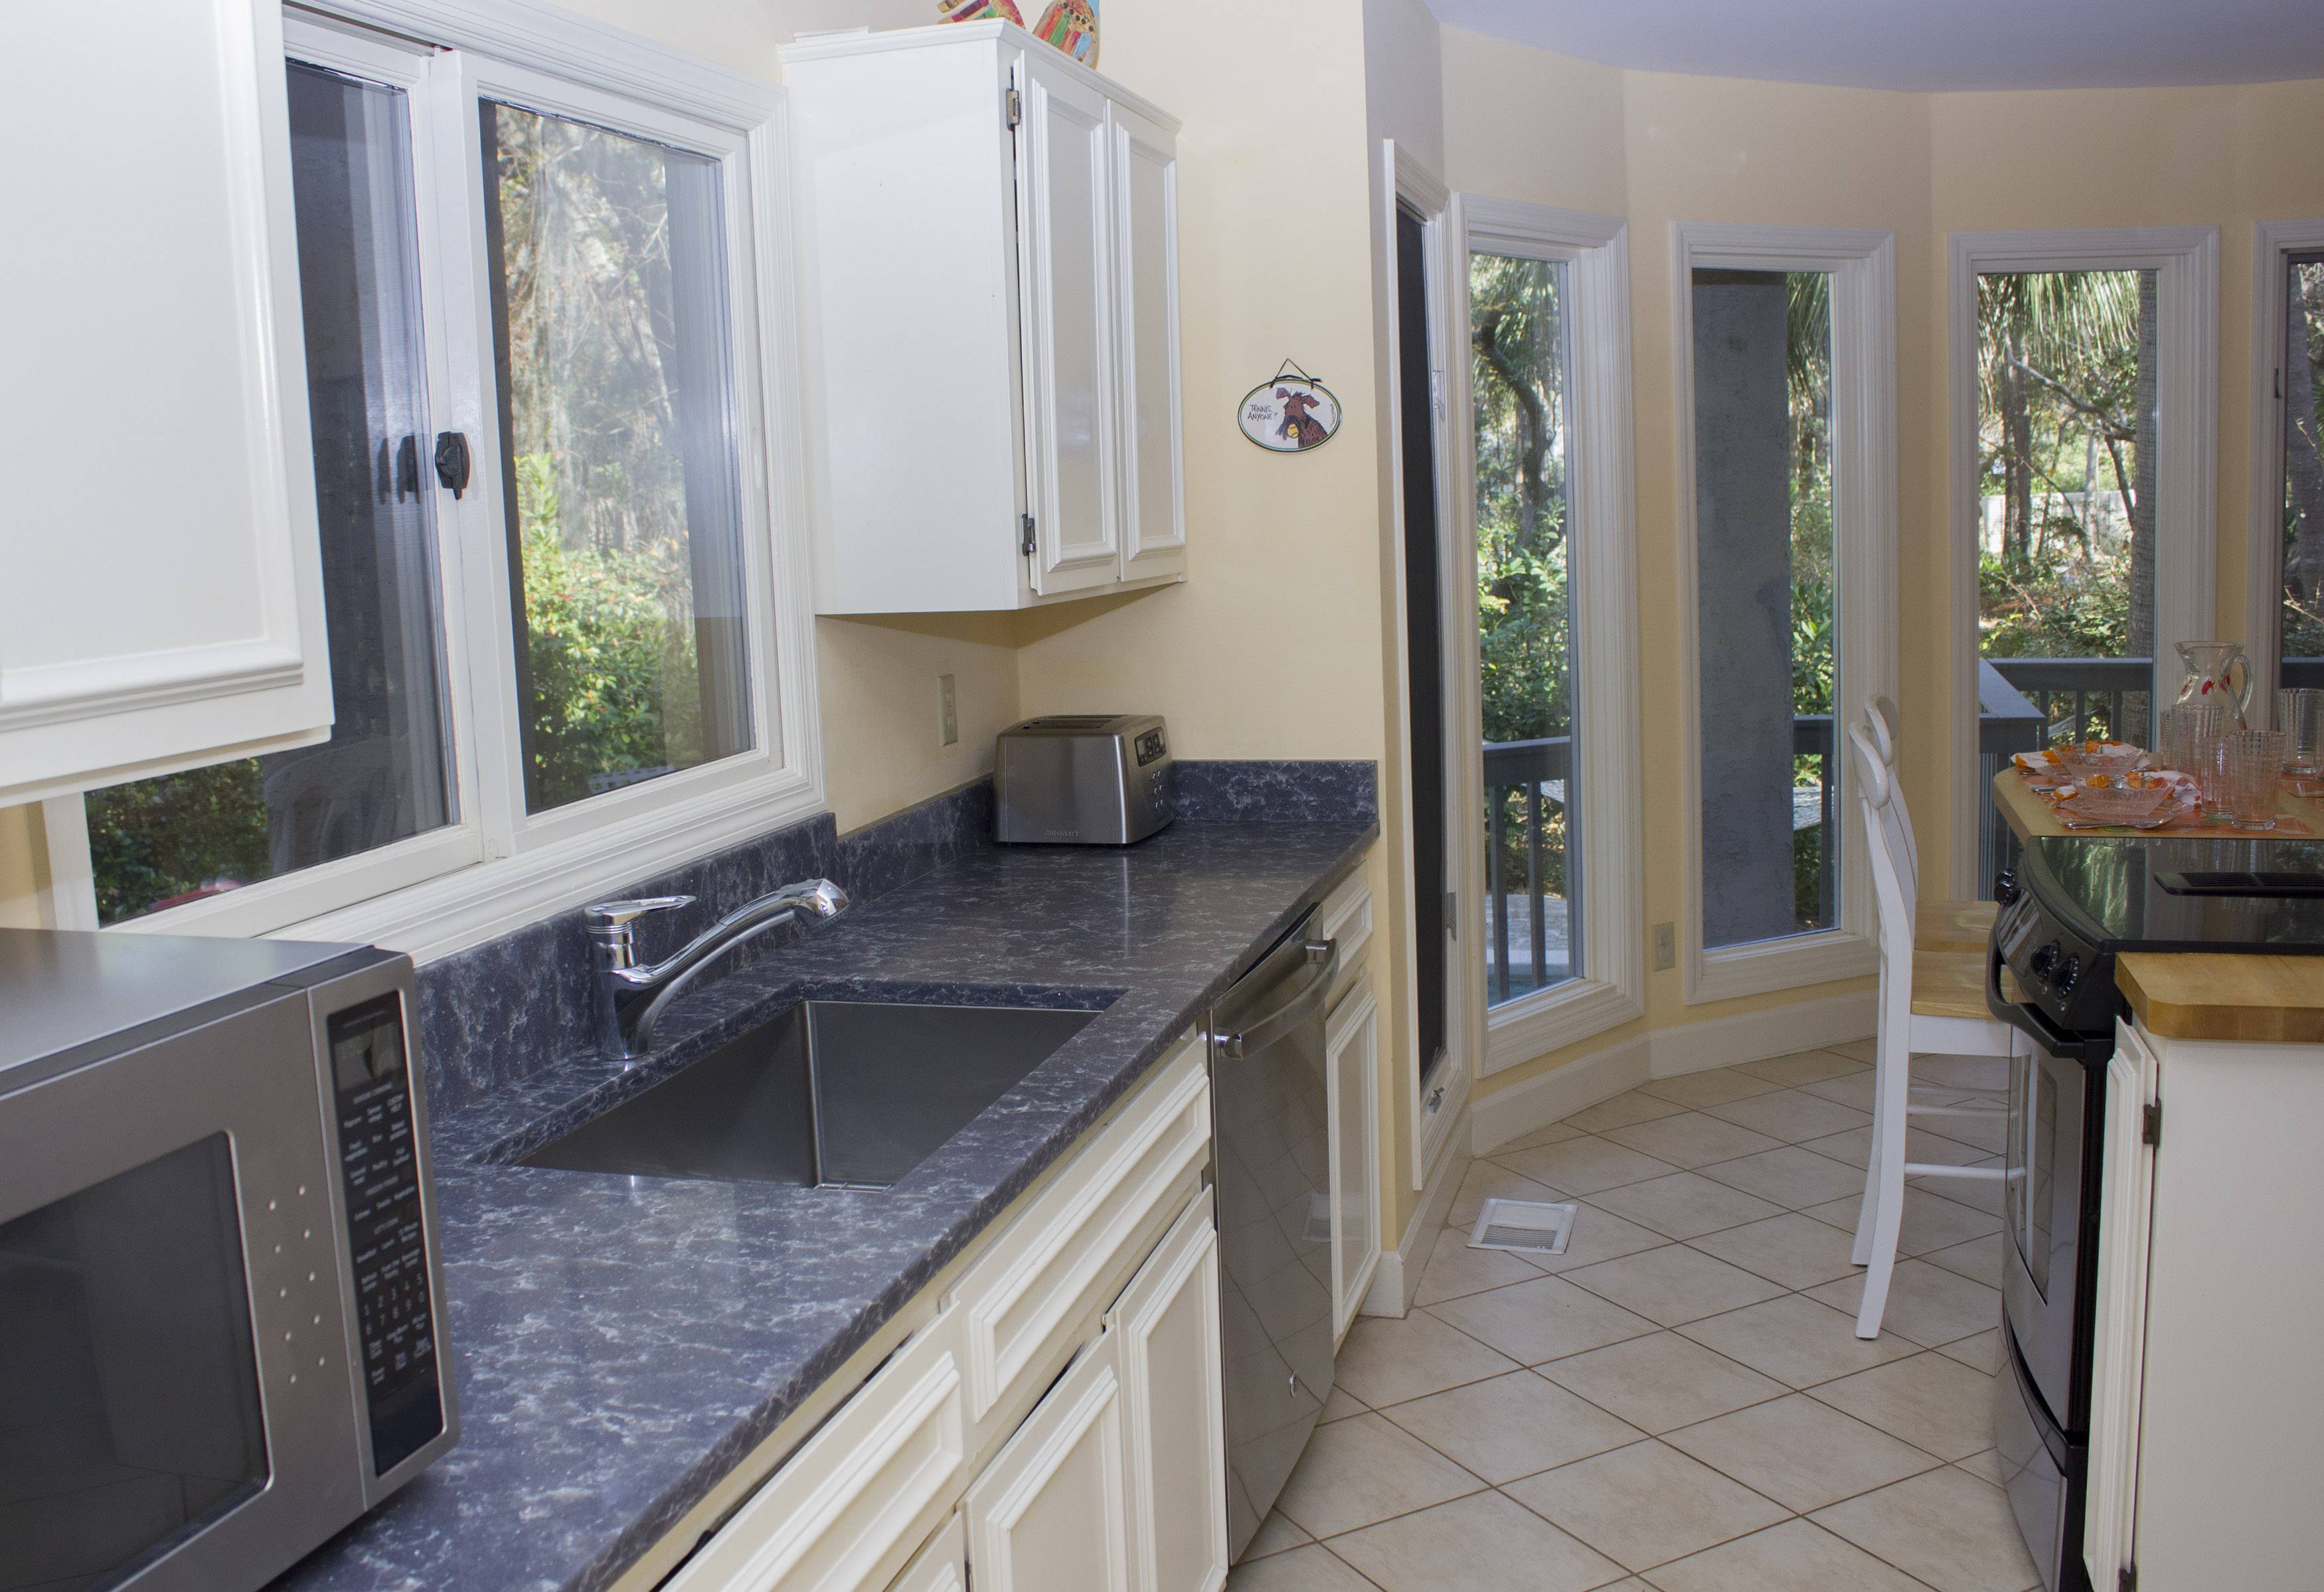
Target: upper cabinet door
163,579
1066,249
1146,285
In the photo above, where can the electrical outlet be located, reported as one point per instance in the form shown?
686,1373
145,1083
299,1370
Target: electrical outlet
947,711
1665,946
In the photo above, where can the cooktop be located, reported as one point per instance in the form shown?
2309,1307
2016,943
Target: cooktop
2075,901
2183,894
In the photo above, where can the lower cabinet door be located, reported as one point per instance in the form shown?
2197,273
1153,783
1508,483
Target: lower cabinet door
1048,1513
1166,1322
1352,1063
940,1566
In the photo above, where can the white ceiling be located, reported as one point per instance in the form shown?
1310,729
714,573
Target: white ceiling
1927,45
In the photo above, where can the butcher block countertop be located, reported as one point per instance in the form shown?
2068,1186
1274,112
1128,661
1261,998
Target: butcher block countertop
2267,999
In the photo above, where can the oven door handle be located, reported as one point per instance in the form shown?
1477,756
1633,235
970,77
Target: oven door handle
2035,1023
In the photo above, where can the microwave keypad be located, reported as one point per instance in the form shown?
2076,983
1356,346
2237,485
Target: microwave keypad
379,1166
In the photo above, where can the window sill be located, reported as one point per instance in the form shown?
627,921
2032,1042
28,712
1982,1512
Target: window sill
1549,1020
455,911
1772,965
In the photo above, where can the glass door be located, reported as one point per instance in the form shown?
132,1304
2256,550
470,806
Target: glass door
2300,387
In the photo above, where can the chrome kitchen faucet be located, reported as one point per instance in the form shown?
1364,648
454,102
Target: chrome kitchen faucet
630,997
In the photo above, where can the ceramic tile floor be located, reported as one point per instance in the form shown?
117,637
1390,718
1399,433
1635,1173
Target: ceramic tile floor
1680,1402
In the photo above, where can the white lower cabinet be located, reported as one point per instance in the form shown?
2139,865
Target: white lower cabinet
1167,1320
1351,1070
844,1511
942,1565
1050,1513
1113,1480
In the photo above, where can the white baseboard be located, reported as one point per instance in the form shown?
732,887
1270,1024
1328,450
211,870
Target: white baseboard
1526,1107
1753,1036
1511,1113
1390,1293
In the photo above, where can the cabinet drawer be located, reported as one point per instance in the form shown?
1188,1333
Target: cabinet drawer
858,1496
1019,1301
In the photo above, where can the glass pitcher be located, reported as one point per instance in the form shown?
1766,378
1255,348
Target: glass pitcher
2216,671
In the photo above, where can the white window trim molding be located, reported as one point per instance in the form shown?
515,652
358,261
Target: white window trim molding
443,892
1405,181
1862,263
1601,535
2186,292
2272,242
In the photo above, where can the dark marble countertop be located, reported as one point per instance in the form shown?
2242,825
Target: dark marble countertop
622,1343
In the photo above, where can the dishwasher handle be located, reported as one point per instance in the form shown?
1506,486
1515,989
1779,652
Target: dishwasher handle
1323,971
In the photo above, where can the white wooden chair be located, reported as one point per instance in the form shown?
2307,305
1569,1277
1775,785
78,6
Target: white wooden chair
1931,1002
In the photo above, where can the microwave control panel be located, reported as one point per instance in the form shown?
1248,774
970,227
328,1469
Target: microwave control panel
387,1244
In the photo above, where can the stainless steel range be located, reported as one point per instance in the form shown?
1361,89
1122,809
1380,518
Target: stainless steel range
2072,905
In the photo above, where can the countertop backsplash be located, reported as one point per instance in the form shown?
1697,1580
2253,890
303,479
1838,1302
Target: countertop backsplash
499,1013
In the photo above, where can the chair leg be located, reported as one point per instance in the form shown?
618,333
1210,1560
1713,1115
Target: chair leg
1883,1050
1886,1197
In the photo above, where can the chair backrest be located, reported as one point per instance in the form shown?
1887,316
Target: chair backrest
1892,891
1881,714
1880,717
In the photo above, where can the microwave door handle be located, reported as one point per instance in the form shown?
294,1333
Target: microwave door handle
1323,971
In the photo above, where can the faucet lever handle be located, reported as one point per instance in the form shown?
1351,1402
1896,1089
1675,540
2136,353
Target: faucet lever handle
609,914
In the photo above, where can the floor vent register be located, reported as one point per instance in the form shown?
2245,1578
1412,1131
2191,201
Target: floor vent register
1529,1227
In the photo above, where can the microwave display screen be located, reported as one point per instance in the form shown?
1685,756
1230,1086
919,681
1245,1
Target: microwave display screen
380,1167
129,1411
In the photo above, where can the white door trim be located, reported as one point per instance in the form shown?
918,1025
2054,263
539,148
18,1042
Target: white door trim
2187,260
1404,180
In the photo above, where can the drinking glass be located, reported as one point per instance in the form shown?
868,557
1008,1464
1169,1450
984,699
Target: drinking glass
2252,763
2300,714
2186,725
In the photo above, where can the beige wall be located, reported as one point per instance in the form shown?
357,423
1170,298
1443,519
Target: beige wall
1658,148
2167,157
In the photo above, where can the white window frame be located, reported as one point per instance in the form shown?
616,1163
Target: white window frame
498,867
2273,244
1405,181
2186,261
1862,263
1602,586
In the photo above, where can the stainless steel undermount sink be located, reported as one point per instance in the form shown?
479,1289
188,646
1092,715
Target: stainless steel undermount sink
831,1093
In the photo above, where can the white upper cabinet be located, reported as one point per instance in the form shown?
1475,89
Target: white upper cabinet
989,323
163,587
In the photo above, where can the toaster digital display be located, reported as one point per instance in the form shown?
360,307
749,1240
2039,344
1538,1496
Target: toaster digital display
1150,746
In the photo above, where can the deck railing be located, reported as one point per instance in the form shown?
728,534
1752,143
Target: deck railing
1527,767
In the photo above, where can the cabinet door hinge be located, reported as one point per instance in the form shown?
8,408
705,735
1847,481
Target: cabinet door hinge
1013,104
2150,1130
2126,1578
1026,544
1453,913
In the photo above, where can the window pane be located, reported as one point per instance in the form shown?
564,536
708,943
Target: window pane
2303,473
621,477
383,775
2066,415
1518,352
1766,610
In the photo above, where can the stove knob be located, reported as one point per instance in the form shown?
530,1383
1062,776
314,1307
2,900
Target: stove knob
2069,972
2044,960
2004,886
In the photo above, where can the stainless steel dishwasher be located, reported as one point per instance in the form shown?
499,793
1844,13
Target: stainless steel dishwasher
1275,1238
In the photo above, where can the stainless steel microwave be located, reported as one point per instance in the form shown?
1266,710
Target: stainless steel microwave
222,1325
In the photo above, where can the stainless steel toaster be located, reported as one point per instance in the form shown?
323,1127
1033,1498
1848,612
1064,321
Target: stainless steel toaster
1087,780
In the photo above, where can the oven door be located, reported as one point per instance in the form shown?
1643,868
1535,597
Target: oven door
175,1408
2050,1099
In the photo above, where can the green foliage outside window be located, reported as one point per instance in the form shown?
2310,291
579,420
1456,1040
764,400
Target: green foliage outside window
602,645
153,841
